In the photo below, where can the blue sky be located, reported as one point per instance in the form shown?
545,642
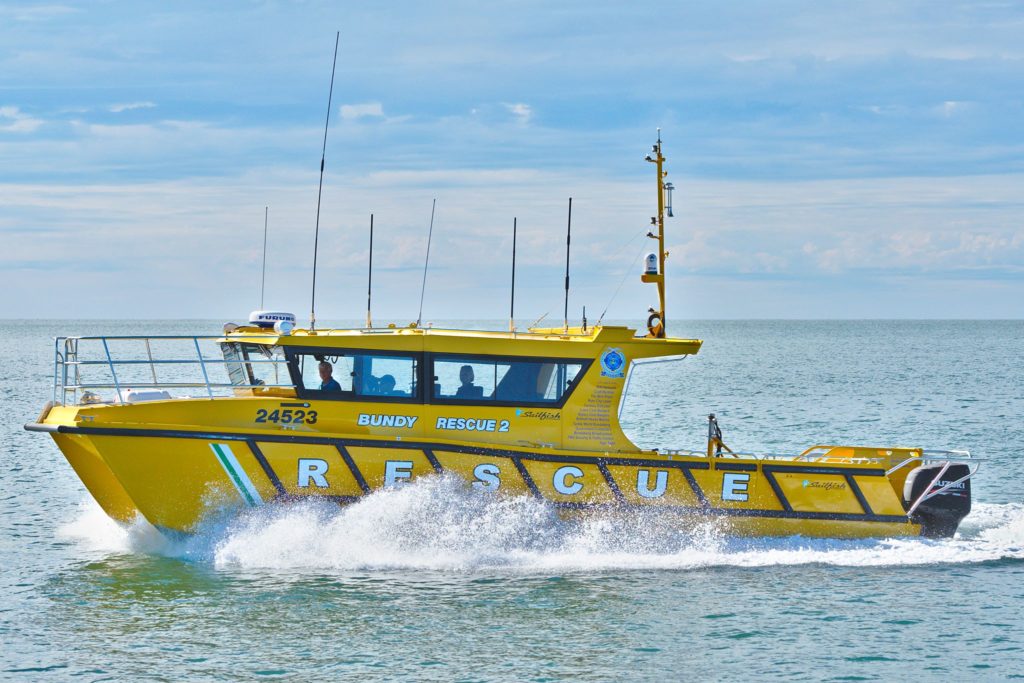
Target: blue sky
832,159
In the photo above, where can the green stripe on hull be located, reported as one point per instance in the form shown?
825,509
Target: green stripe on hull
235,478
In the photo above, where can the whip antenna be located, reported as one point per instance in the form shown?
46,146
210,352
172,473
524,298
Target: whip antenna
320,189
512,305
369,278
263,280
621,282
568,238
426,261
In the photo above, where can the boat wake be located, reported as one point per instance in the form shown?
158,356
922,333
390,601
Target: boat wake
439,523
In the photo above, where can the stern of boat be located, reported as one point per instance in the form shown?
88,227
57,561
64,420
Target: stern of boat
933,486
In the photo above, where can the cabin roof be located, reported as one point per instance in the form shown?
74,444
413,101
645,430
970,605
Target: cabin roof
535,341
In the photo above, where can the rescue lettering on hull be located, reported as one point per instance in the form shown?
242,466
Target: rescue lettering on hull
568,480
734,487
312,471
644,488
487,478
584,482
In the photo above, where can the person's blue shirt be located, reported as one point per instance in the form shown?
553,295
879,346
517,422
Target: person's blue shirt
330,385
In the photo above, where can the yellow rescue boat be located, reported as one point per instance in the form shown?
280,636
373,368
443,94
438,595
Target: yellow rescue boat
283,414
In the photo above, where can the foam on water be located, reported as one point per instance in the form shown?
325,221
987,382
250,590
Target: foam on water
95,532
439,523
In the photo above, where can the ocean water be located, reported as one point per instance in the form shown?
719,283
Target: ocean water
431,582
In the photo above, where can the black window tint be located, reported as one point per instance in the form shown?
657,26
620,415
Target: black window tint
388,376
357,374
341,368
502,381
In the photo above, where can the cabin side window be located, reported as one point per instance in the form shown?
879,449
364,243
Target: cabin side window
503,381
356,375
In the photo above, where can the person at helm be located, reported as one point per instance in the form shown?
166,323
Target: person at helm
468,389
327,381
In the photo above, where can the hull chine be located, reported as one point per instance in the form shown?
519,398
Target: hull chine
177,480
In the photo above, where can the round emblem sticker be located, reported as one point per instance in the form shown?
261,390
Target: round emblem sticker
613,363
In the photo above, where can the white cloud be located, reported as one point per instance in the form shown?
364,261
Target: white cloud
744,58
726,230
18,121
886,109
521,111
128,106
361,110
38,13
952,107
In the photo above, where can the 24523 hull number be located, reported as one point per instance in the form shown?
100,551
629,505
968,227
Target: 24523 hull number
286,416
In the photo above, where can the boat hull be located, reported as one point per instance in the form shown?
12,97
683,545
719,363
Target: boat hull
176,478
96,475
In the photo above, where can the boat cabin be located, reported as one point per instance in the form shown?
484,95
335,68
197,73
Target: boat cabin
573,380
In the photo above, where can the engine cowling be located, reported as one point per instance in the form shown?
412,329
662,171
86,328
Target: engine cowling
940,515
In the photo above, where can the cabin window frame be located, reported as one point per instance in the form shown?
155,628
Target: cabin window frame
244,361
292,354
428,371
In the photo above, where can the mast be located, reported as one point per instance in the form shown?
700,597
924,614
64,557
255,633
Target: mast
657,329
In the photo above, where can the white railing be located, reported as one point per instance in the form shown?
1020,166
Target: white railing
91,369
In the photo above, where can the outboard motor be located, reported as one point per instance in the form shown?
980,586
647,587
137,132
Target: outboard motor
940,515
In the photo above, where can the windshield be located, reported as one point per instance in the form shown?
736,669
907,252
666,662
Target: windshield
255,364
